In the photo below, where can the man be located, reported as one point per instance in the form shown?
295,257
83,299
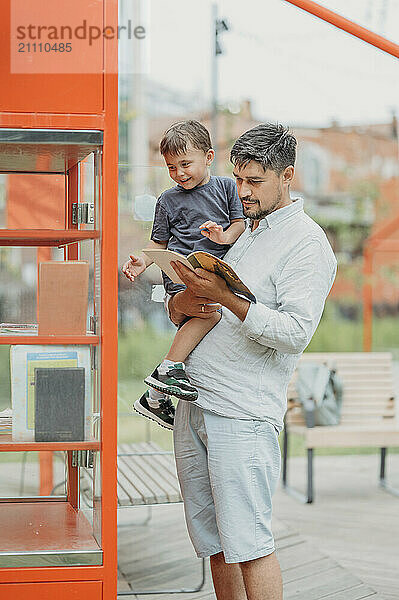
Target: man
226,443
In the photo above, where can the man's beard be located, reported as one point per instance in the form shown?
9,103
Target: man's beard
261,214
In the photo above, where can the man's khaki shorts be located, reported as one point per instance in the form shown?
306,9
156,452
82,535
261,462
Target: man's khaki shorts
228,471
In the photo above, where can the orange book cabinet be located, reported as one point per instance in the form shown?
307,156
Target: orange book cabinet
58,140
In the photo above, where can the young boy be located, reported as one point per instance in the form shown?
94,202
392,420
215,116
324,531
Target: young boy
201,212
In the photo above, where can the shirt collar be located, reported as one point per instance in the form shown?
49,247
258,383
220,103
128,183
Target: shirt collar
280,215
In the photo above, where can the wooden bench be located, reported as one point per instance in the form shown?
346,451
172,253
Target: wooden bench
368,412
146,475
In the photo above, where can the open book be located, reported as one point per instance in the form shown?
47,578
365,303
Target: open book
202,260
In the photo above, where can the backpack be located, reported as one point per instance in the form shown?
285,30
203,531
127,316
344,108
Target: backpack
320,393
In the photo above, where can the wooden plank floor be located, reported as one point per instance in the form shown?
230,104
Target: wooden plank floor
343,547
353,524
352,520
308,574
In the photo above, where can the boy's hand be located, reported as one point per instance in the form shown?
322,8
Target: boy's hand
214,232
134,267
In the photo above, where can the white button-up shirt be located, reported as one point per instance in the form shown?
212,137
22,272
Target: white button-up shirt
242,369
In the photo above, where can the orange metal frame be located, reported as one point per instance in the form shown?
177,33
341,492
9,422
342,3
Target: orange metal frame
378,241
347,25
41,101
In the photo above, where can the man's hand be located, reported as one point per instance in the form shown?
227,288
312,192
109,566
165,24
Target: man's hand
134,267
203,283
185,304
214,232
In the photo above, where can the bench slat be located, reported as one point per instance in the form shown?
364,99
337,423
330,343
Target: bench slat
158,469
135,487
134,471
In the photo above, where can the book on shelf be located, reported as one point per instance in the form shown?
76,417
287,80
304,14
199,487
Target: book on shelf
24,360
202,260
5,420
59,404
19,328
63,297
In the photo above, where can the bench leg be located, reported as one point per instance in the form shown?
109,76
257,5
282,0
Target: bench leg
310,476
308,498
182,591
383,481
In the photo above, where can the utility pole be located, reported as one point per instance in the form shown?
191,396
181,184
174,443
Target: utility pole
218,26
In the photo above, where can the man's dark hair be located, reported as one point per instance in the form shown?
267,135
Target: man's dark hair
271,145
175,138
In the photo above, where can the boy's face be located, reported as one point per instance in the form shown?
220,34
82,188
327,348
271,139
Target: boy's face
190,168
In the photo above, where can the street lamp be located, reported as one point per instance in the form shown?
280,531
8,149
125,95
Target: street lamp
219,26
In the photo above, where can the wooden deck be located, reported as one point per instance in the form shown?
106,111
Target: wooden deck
347,540
352,520
343,547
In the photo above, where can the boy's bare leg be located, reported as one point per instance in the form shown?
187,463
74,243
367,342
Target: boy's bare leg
190,335
262,578
227,579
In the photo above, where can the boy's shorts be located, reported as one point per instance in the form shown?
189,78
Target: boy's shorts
228,471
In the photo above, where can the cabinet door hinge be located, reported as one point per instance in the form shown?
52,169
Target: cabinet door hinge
82,212
83,458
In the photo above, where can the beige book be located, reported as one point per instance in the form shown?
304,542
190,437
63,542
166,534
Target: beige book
63,297
202,260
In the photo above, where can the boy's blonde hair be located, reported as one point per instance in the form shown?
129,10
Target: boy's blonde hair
176,138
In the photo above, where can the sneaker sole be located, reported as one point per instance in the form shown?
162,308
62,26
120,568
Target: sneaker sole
170,389
146,413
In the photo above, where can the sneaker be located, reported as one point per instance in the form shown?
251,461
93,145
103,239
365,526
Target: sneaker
163,415
174,383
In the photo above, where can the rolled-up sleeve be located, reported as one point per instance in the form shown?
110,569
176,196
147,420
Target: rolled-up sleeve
302,287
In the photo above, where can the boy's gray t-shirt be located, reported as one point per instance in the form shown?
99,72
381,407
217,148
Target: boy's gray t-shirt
180,212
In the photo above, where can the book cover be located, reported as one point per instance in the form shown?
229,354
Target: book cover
63,297
203,260
24,360
59,404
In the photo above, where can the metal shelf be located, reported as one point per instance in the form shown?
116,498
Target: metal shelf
60,340
46,150
7,444
57,535
45,237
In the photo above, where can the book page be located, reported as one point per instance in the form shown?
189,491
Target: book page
162,258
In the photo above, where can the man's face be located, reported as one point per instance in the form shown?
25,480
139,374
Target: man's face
262,192
190,168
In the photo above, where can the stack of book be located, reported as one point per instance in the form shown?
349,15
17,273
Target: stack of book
51,387
5,420
15,328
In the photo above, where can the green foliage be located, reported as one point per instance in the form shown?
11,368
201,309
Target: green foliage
140,350
342,335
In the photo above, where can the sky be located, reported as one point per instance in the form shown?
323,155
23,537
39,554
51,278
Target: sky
293,67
